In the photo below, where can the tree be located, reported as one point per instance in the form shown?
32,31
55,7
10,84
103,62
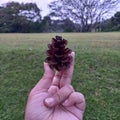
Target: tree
68,25
30,11
111,24
115,22
88,13
16,17
46,24
49,25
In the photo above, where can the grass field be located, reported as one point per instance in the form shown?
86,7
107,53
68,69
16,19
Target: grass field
96,74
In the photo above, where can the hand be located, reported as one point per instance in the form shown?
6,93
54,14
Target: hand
53,98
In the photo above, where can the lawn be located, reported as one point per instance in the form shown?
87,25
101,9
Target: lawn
96,74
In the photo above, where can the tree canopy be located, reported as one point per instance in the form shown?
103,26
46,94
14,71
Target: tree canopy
87,13
15,17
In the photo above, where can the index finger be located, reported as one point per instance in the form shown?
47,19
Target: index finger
67,74
45,81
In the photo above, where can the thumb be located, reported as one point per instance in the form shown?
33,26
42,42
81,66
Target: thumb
59,97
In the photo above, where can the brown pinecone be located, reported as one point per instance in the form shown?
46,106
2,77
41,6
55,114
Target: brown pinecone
58,54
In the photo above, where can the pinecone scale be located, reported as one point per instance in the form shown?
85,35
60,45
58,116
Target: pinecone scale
58,56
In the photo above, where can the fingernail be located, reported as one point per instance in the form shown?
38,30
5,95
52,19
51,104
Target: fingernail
50,102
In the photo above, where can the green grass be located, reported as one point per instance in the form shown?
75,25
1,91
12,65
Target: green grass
96,74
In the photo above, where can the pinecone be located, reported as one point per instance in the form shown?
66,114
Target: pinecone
58,55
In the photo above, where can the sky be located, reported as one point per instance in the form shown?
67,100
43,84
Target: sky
42,4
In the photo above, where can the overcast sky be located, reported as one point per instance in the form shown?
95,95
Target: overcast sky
42,4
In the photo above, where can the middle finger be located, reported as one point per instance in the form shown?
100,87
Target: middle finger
55,83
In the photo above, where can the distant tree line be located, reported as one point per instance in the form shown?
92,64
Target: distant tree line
64,17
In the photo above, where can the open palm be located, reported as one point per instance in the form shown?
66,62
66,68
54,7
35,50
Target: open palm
53,98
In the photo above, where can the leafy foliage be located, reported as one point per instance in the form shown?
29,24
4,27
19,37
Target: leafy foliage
17,17
112,24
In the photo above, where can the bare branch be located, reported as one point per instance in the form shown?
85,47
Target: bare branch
84,12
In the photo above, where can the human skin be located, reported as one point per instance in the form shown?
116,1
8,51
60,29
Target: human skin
53,97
